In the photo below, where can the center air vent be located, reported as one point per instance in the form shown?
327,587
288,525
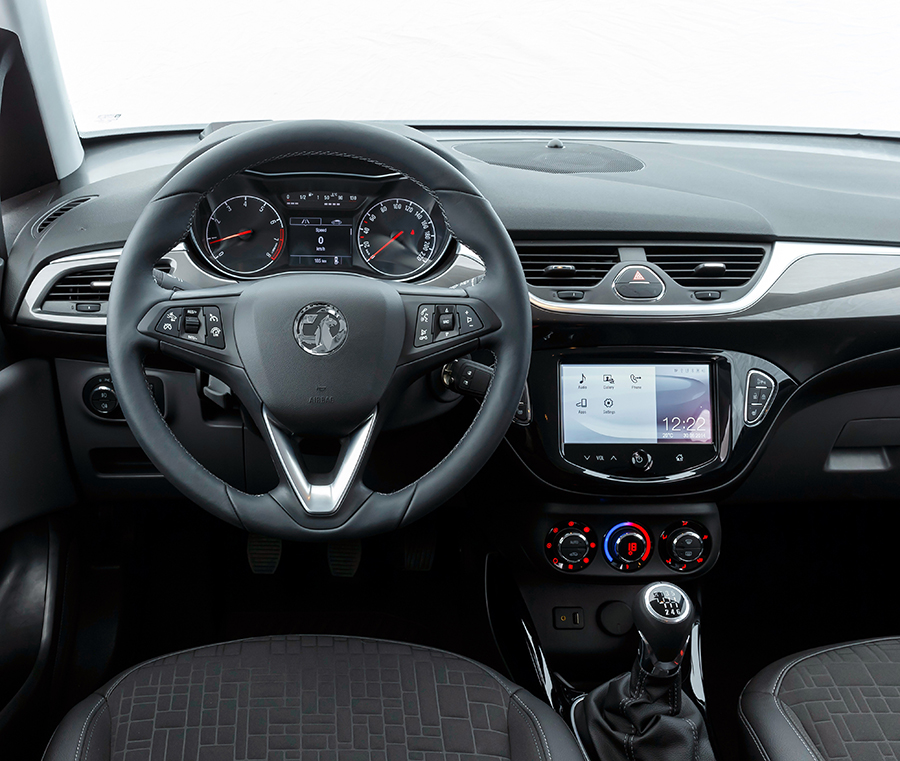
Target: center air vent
565,264
50,217
695,266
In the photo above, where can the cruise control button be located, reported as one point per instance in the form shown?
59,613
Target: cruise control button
638,282
424,320
215,330
168,323
468,320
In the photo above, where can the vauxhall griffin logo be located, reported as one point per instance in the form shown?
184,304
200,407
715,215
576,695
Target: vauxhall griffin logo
320,329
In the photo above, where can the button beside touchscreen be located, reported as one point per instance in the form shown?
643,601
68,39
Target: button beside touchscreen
637,420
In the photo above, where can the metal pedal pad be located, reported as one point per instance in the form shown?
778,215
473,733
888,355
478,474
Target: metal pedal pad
263,553
344,558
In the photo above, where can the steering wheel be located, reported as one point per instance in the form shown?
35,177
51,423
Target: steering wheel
295,386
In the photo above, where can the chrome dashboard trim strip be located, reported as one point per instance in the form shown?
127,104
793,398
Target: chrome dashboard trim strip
784,254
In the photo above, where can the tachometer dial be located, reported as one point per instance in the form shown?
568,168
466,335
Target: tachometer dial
397,238
244,235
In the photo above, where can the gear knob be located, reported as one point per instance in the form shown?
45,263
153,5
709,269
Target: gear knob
663,615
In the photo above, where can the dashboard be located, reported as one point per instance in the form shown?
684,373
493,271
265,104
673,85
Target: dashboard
714,323
267,221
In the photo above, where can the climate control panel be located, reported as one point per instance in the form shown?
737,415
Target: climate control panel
643,540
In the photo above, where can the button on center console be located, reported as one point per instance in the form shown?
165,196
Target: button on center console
641,460
636,282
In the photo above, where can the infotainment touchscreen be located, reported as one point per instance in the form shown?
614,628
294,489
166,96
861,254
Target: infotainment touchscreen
636,404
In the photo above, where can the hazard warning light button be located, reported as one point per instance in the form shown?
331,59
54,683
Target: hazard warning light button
638,282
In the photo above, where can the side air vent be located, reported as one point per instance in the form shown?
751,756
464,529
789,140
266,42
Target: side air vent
90,285
55,213
707,266
565,264
85,285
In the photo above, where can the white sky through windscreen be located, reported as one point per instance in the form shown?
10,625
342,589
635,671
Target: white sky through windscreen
800,63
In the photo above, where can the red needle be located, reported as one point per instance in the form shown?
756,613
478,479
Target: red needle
385,246
229,237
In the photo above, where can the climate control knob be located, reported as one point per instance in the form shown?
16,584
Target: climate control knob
685,546
627,546
570,546
573,546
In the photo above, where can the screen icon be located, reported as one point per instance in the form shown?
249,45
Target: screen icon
607,403
581,403
635,378
583,379
607,379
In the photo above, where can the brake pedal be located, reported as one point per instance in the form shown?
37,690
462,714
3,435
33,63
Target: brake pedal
344,558
263,553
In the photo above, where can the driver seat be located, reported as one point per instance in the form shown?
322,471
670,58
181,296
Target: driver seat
311,698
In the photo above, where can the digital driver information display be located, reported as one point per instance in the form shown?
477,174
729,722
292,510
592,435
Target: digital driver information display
636,404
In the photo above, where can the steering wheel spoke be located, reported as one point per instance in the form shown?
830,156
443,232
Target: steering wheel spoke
323,494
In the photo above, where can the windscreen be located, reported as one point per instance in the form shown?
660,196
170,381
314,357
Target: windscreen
785,63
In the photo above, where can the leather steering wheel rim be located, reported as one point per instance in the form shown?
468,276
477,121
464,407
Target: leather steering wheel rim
136,300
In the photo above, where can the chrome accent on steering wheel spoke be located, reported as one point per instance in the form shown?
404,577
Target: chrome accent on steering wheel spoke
321,498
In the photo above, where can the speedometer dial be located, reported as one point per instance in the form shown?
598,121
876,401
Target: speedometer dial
397,238
244,235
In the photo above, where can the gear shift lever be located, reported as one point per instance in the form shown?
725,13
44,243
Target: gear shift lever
643,715
663,615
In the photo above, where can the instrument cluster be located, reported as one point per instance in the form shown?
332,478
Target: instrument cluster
258,224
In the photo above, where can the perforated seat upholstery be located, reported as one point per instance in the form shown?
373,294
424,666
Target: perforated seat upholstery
840,702
312,699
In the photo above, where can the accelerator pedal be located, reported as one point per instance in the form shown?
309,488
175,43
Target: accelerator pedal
344,558
263,553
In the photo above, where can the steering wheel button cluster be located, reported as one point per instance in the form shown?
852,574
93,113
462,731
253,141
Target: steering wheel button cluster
202,325
438,322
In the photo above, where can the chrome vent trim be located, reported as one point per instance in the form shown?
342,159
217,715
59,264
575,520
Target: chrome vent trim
44,222
566,264
177,261
783,255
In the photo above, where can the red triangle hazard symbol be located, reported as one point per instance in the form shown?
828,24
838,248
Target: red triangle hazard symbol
638,275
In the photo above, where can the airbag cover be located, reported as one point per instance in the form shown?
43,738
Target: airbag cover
320,349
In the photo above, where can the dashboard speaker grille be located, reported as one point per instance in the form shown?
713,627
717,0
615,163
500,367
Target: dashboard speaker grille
536,156
707,266
565,264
